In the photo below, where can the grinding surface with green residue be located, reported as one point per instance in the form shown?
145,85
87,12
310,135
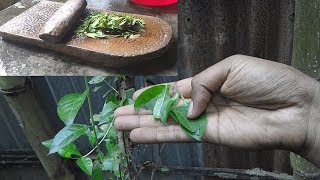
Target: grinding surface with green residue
103,25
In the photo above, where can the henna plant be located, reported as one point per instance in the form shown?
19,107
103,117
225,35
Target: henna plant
101,133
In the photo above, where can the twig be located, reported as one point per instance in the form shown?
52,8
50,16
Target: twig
160,151
90,108
111,86
100,140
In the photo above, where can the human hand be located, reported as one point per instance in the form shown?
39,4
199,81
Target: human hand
250,103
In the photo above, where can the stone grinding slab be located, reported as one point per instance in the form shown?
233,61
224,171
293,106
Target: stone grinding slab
113,52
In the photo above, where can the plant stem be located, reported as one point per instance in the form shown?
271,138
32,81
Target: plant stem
111,86
90,109
100,140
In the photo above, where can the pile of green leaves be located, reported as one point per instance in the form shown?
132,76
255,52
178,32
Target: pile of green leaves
158,99
103,25
101,134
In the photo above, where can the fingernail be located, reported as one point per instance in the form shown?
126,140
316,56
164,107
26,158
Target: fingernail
190,109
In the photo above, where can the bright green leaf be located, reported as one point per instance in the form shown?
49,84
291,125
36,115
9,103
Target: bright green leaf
96,79
147,99
97,171
166,108
69,106
66,136
194,128
159,104
85,165
65,152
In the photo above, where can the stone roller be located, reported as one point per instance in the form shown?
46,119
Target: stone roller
62,20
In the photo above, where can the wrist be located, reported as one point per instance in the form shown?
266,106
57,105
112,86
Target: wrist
311,149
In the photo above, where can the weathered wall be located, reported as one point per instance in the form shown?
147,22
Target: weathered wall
211,30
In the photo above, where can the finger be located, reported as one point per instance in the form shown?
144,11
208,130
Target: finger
162,134
204,85
183,87
129,110
127,123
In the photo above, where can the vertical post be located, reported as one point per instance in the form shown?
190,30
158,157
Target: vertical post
35,124
306,58
123,137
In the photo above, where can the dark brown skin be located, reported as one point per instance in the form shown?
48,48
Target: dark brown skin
62,20
250,103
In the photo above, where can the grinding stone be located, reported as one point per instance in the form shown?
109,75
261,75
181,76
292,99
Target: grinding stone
113,52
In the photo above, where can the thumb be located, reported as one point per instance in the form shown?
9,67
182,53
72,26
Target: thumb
204,85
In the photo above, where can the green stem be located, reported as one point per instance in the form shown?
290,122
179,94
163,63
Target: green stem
97,146
90,110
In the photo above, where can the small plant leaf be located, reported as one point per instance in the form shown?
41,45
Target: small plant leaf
167,105
194,128
66,136
107,112
147,99
69,106
85,164
107,164
159,104
96,79
129,93
97,171
95,89
164,169
65,152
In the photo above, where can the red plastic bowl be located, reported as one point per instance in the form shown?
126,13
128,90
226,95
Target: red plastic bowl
154,2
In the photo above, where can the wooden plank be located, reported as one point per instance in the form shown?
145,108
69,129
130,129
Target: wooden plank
113,52
35,124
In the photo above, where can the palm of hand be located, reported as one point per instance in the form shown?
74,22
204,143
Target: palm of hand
233,124
256,112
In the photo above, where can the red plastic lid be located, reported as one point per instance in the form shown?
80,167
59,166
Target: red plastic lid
154,2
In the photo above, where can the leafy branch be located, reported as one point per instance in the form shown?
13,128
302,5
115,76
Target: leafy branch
101,134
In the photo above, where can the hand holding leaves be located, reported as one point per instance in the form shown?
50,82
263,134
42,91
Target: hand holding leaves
158,99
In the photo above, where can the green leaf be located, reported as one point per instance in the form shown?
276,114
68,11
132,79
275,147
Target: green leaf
69,106
107,164
159,104
107,112
194,128
85,165
69,150
147,99
66,136
107,93
164,169
129,93
113,98
96,79
97,88
167,105
97,171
